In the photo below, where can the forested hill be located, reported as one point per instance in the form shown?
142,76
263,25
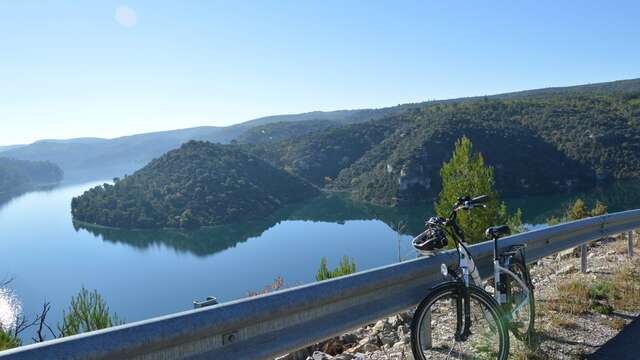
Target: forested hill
20,175
545,144
199,184
93,158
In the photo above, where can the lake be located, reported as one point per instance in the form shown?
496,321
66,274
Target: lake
143,274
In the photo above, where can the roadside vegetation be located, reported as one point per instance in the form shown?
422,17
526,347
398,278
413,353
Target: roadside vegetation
466,174
87,311
345,267
579,210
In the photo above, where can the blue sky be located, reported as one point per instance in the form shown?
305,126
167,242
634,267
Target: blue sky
72,68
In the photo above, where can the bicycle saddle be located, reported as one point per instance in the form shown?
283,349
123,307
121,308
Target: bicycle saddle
496,232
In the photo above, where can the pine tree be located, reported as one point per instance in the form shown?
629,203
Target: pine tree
465,174
347,266
88,311
599,209
577,211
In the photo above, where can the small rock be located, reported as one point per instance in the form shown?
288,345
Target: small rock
567,269
344,356
394,321
387,338
371,339
349,338
301,354
379,326
406,316
319,355
401,331
332,346
370,348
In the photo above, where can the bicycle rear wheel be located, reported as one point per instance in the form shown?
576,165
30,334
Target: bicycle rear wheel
522,321
435,321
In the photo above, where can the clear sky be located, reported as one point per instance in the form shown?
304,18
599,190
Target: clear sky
105,68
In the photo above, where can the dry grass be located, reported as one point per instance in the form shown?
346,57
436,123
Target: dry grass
565,323
626,282
520,350
572,297
615,323
620,291
278,283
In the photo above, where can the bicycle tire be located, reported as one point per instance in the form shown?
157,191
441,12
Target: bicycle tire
517,267
452,290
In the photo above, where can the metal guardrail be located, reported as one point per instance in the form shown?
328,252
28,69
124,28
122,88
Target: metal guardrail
270,325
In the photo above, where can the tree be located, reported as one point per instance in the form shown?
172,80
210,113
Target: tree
347,266
8,340
87,312
465,174
599,209
577,211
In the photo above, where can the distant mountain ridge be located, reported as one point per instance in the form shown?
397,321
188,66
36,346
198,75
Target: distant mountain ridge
17,176
96,158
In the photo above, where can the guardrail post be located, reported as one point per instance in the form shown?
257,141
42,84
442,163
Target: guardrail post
426,332
583,258
630,244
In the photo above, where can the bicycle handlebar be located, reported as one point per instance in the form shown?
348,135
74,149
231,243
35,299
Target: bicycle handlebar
479,199
467,203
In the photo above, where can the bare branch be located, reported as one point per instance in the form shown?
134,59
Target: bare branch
22,324
41,319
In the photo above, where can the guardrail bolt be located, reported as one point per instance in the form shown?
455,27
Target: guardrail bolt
229,338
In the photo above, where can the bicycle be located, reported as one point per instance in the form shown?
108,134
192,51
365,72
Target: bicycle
459,310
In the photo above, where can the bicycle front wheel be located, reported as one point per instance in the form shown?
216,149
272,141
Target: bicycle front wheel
438,319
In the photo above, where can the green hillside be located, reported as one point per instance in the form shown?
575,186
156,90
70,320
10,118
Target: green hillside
283,130
319,156
199,184
547,144
94,158
19,175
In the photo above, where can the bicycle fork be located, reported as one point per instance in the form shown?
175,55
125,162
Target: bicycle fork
463,302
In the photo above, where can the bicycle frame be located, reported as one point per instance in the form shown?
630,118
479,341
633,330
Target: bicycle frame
465,262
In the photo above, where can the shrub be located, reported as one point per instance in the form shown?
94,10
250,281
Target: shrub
8,340
345,267
573,297
87,312
278,283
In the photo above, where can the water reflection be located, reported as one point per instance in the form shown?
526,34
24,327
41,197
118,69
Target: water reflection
338,208
332,208
7,196
618,196
199,242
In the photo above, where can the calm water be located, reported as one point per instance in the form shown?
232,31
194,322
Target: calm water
149,273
